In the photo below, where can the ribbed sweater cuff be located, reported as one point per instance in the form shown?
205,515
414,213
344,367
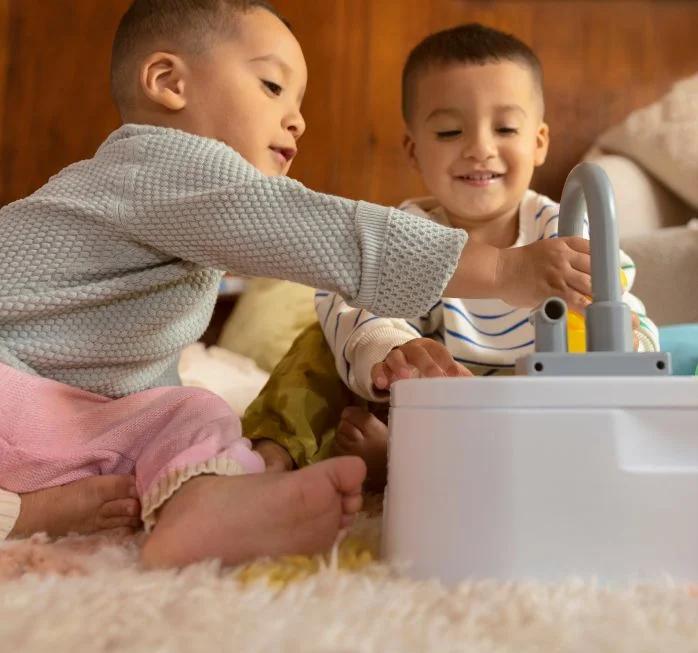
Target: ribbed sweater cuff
373,347
9,512
373,219
163,487
407,261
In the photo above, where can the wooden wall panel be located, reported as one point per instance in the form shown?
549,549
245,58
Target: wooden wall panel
56,107
602,59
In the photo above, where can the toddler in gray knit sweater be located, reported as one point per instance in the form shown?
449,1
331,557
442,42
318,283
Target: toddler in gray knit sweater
109,270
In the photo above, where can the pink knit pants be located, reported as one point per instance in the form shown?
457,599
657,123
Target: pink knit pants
51,434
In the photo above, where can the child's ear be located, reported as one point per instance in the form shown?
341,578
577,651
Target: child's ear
162,80
542,143
409,146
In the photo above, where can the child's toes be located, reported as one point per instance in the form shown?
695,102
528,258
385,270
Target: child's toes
111,487
119,513
351,504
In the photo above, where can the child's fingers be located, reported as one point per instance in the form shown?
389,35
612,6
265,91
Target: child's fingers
579,281
581,262
445,361
635,320
578,244
423,360
380,376
576,301
398,365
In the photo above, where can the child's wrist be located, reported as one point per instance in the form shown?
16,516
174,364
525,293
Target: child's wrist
478,274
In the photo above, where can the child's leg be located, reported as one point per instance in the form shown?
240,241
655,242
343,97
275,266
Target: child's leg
197,493
54,434
239,518
293,419
90,505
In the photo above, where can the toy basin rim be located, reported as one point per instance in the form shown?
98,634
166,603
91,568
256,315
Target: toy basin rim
547,392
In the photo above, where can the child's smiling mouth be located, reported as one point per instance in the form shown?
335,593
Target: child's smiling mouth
479,179
283,155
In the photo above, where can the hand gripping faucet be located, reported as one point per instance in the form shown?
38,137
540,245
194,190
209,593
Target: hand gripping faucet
609,338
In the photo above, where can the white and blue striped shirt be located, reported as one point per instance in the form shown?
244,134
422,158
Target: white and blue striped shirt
480,333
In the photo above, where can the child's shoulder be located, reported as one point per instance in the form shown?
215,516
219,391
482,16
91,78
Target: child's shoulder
538,216
426,207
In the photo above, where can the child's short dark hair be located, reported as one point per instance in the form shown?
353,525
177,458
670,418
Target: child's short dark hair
468,44
148,21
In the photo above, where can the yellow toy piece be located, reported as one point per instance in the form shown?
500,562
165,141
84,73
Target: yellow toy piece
576,330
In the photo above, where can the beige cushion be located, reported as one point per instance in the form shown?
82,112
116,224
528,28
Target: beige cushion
642,203
267,319
663,138
667,273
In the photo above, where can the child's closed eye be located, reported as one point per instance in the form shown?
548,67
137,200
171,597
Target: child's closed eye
273,87
507,130
449,133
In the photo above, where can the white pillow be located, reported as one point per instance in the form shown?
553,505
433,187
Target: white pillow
235,378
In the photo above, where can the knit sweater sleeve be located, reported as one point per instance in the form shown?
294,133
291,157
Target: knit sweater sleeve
198,200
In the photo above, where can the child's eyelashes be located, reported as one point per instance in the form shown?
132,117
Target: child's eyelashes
450,133
272,87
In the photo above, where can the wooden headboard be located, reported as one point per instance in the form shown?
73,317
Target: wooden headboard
602,59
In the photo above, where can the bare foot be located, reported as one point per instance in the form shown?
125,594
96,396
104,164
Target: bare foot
276,458
237,518
98,503
362,434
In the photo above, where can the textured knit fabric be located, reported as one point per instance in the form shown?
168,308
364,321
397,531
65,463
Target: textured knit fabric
9,512
112,267
487,334
52,434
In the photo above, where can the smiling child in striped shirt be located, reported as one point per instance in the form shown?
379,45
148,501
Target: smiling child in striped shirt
474,113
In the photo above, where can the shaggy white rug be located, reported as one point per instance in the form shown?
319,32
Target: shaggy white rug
87,594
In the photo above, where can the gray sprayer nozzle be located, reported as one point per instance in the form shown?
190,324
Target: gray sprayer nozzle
550,322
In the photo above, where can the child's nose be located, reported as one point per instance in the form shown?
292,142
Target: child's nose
295,124
479,147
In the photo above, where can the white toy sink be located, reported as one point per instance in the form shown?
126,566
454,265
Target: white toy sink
542,478
587,464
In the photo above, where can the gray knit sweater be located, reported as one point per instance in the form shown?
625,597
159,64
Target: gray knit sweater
112,267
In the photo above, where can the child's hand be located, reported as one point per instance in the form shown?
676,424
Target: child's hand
276,458
560,267
420,357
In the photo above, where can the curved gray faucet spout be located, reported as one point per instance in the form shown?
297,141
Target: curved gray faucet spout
589,191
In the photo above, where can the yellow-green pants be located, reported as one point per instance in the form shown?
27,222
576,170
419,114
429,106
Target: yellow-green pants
300,406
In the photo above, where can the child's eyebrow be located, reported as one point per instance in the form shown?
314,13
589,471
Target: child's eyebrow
273,58
511,107
447,112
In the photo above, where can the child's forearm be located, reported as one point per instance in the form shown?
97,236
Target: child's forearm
477,272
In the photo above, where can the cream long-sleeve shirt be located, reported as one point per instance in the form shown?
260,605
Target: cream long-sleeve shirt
482,333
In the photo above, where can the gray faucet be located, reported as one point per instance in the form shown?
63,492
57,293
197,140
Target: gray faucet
608,321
